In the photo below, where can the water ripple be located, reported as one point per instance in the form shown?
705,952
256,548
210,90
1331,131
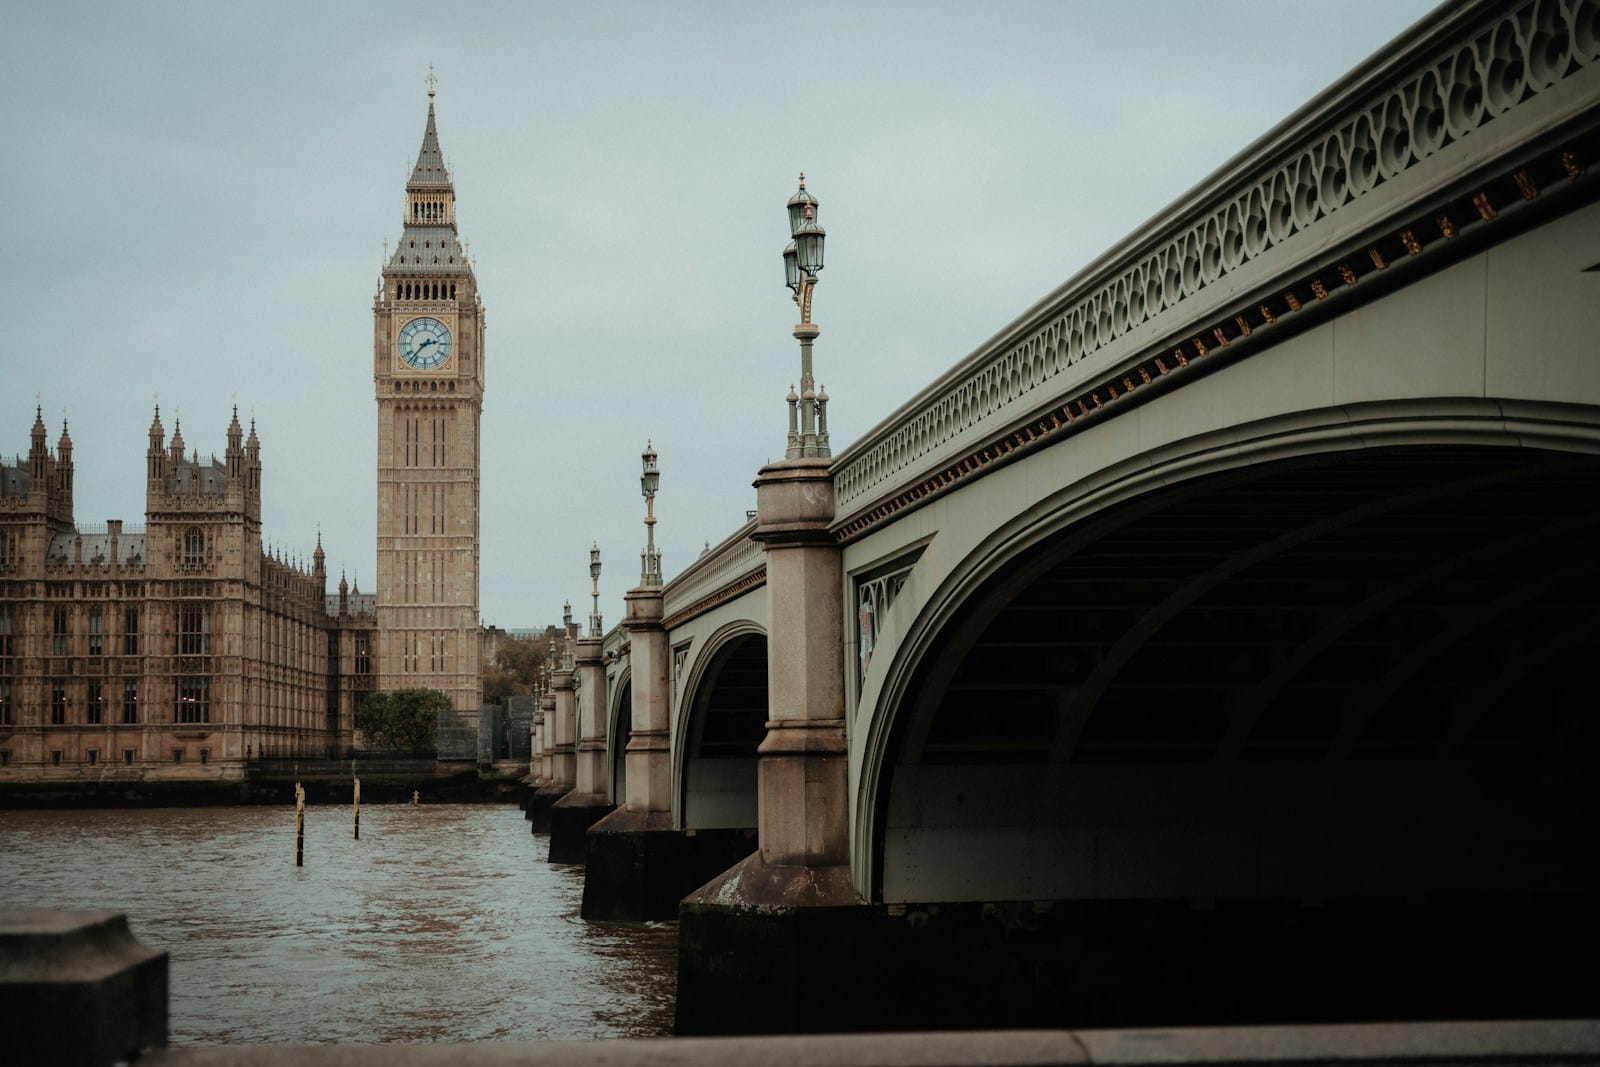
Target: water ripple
443,923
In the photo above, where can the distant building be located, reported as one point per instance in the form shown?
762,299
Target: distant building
176,653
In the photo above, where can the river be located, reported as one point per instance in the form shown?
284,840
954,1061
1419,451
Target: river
442,923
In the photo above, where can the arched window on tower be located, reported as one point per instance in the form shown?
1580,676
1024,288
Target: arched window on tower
194,548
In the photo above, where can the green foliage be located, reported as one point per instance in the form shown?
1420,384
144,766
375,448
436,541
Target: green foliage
403,719
515,670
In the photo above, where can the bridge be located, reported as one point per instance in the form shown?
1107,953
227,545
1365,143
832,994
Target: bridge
1215,644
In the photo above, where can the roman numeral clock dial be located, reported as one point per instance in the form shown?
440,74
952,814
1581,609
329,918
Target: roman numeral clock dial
424,344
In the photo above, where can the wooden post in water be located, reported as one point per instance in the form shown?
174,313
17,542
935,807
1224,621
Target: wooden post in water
299,825
358,809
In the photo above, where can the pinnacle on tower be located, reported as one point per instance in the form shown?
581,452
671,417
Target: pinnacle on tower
430,171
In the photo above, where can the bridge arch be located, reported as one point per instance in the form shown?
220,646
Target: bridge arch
721,722
619,729
1459,468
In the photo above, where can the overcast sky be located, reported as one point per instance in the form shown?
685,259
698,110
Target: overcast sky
198,196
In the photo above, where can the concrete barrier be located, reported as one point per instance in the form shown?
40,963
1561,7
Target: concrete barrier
78,988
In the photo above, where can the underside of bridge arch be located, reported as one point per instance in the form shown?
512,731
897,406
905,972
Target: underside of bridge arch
728,721
1242,732
618,736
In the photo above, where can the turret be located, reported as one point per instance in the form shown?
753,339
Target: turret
344,597
235,453
63,508
156,457
252,466
176,449
318,569
38,454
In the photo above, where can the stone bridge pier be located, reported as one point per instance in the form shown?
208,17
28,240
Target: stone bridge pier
761,942
588,802
639,863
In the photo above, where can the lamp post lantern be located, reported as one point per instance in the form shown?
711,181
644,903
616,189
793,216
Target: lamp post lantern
649,482
594,575
802,261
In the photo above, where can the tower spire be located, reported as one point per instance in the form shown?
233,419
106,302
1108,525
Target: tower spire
430,172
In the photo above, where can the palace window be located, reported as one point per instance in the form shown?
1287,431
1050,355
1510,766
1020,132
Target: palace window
193,702
92,709
8,550
94,756
194,548
130,632
177,755
5,757
363,654
58,703
5,702
8,647
130,700
58,631
95,630
205,756
194,630
55,757
127,756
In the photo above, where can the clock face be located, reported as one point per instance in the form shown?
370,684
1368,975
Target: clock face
424,343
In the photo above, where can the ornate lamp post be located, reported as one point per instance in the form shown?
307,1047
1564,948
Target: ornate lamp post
802,261
649,482
566,630
594,575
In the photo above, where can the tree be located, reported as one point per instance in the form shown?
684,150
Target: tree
515,670
404,719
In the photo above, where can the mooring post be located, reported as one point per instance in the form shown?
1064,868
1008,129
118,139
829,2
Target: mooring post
358,809
299,825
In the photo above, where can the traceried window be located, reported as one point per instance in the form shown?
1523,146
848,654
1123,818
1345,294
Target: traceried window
194,630
193,700
92,708
130,632
194,548
8,640
5,702
363,654
8,550
130,700
58,703
58,632
96,628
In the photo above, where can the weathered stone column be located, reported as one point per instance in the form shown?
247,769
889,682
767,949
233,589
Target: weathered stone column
574,813
794,896
536,763
549,788
591,770
563,772
649,753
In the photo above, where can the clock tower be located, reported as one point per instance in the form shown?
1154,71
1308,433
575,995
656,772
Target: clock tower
427,370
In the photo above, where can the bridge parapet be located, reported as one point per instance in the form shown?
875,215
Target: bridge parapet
1464,90
736,561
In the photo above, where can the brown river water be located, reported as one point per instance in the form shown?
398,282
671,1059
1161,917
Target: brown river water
442,923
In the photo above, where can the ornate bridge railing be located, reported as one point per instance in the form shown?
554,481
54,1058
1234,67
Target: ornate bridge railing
734,565
1329,196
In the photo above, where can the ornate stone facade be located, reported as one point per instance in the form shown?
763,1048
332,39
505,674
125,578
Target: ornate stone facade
179,653
427,368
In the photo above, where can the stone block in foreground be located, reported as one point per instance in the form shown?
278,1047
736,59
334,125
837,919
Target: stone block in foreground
79,989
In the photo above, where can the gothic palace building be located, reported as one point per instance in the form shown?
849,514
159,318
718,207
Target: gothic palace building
187,650
177,653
